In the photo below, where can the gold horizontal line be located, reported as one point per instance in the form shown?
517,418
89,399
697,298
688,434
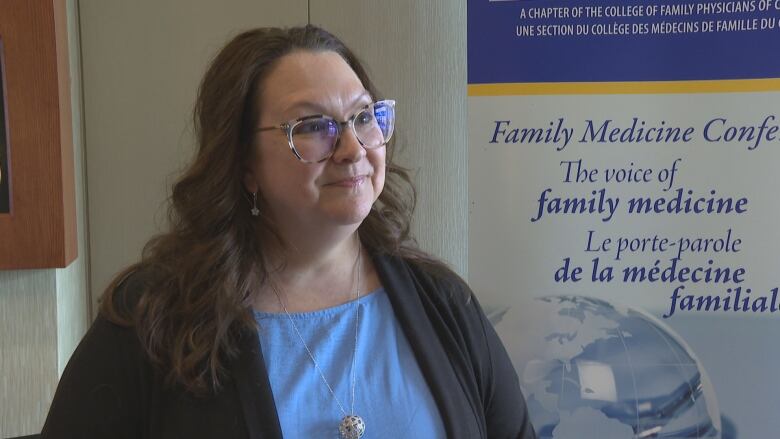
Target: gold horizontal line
644,87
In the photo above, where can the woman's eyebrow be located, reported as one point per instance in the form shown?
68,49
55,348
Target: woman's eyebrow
312,108
305,108
365,97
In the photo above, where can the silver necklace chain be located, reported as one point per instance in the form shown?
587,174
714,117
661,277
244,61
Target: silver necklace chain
354,350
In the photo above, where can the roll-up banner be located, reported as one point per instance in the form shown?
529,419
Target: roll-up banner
624,211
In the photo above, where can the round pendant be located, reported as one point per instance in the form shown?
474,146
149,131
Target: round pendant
352,427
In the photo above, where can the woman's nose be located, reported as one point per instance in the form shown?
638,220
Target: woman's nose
348,148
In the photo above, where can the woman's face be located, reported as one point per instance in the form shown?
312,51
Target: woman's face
336,192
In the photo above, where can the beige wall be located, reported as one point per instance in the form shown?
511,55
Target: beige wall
44,313
142,63
416,53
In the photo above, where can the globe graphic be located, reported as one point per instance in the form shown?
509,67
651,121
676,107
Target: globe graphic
590,369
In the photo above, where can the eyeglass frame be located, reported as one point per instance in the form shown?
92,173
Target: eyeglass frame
289,126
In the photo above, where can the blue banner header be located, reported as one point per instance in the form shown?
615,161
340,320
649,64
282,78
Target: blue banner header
530,41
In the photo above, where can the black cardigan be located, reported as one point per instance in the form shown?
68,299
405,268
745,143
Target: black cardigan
110,390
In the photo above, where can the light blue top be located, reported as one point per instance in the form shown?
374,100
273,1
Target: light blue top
391,394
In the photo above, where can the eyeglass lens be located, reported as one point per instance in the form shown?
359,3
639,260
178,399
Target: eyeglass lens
315,138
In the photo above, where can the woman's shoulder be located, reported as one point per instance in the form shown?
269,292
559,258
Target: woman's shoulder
106,378
116,314
121,298
427,276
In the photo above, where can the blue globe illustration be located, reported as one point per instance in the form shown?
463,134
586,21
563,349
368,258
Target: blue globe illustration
590,369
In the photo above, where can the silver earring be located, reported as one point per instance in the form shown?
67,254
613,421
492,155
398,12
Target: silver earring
255,211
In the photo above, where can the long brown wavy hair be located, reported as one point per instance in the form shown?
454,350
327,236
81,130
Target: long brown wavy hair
200,277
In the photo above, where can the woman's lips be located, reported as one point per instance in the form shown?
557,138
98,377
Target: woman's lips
349,182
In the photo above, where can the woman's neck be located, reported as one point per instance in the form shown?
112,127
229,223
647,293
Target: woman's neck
315,278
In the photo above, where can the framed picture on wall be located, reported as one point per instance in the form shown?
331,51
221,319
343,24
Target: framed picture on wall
37,192
5,187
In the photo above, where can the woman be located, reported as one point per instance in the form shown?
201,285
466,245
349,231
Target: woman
288,297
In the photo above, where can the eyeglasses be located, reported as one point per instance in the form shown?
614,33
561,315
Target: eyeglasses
314,138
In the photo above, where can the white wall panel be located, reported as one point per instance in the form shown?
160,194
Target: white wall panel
28,349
